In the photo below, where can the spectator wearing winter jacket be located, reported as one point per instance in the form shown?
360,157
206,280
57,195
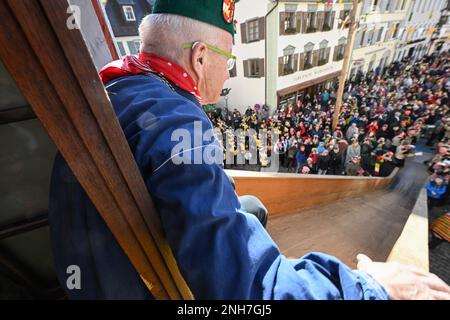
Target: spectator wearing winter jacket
324,163
435,191
353,150
301,157
353,167
336,161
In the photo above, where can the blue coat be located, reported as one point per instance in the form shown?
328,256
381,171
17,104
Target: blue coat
438,190
222,251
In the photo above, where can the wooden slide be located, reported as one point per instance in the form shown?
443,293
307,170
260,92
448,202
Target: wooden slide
342,216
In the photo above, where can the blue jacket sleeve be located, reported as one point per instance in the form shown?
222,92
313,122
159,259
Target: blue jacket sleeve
224,252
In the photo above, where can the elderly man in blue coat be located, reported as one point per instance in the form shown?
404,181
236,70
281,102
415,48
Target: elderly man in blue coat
223,251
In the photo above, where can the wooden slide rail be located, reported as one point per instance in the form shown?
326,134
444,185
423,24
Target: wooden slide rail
52,67
285,193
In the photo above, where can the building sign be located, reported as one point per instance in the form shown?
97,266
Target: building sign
315,73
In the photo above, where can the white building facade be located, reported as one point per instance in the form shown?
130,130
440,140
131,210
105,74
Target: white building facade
420,25
286,49
247,78
380,24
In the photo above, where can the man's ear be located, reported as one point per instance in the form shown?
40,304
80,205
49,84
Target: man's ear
198,60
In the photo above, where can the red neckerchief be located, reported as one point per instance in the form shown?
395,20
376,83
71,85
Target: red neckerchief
150,63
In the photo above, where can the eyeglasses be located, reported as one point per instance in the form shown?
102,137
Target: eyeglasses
231,58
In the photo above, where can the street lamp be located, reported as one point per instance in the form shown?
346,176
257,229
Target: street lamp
225,93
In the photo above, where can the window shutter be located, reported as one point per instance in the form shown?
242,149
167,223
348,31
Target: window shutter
233,72
335,53
320,19
304,21
246,67
261,68
366,38
358,39
132,47
302,61
316,58
244,32
382,6
393,6
375,36
327,54
366,6
295,62
282,19
280,67
298,19
333,17
262,28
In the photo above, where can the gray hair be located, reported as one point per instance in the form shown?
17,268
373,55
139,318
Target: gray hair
165,34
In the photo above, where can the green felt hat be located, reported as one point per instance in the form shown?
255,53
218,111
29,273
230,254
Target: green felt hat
219,13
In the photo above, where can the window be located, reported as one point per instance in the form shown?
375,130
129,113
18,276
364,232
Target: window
129,13
134,46
288,64
254,70
323,53
322,56
290,22
370,37
363,35
311,22
233,72
395,33
341,51
387,5
253,30
342,16
121,48
374,5
328,23
380,33
403,5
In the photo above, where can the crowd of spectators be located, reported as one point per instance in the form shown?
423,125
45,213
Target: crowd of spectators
382,117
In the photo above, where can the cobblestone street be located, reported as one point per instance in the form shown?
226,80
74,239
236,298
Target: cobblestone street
440,256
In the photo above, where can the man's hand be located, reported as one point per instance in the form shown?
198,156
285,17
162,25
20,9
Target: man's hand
405,282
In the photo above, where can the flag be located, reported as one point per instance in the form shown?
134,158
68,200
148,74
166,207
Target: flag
345,23
362,19
327,3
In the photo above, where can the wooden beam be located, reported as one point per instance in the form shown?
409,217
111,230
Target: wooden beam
53,68
347,58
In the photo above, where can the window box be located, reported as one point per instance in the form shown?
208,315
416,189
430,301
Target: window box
290,31
307,66
288,70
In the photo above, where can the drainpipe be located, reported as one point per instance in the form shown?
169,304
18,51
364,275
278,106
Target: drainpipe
266,50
